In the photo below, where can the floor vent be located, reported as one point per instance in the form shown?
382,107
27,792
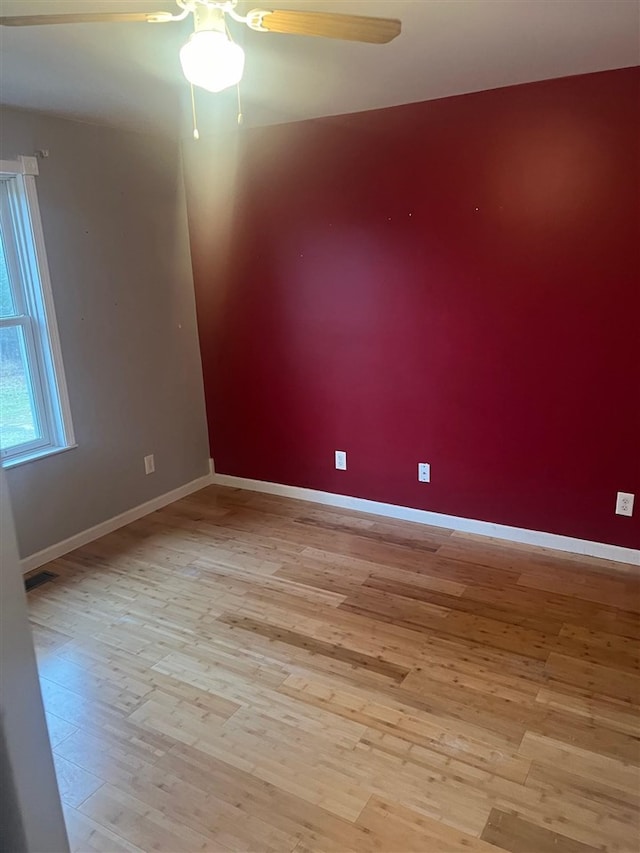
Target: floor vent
38,579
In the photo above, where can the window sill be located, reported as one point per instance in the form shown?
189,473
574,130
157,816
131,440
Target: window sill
37,454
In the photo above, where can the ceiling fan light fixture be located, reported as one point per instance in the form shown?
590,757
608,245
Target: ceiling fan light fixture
212,61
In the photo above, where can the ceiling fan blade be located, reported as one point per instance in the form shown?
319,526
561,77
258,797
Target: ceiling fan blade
89,18
333,26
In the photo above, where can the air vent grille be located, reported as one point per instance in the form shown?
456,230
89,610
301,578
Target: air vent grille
38,579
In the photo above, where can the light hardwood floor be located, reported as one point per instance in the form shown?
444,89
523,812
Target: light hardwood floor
243,672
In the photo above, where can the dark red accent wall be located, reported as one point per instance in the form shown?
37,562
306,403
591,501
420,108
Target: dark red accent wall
455,282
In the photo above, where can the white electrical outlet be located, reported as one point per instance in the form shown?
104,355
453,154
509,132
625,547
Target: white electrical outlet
149,464
424,472
624,503
341,460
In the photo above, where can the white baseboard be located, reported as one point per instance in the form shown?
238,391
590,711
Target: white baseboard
34,561
452,522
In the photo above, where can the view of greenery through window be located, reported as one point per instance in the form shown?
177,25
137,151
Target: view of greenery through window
17,417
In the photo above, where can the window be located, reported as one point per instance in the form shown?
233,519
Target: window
34,408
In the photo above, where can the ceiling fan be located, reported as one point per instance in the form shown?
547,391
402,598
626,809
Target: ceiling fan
211,59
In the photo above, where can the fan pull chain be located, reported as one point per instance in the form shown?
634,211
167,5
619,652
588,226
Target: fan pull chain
196,132
231,39
240,116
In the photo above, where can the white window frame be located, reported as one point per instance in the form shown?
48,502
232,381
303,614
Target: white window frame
35,314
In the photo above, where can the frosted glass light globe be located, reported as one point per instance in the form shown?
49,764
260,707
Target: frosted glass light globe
211,61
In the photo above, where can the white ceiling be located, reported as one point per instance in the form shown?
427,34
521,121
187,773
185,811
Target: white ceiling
129,74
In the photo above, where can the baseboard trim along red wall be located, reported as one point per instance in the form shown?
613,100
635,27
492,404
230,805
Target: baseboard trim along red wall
519,535
453,282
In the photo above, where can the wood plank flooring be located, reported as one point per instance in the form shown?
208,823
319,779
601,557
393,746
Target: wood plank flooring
248,673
